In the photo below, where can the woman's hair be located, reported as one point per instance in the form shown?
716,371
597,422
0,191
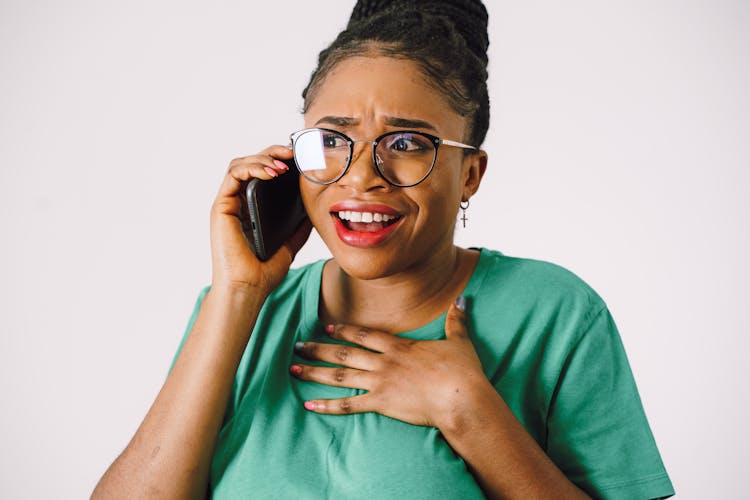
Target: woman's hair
447,39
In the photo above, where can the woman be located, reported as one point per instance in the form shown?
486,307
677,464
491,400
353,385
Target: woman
404,366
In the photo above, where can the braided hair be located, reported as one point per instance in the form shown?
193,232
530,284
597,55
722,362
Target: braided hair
446,38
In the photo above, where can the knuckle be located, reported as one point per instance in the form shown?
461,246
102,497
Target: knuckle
345,405
339,374
378,400
377,388
237,171
456,321
235,165
389,365
406,345
220,206
342,354
362,334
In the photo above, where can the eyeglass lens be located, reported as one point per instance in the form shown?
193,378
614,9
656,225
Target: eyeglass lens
403,158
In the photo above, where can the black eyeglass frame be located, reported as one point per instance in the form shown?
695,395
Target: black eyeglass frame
436,142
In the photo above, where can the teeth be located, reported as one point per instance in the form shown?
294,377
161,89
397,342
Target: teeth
365,216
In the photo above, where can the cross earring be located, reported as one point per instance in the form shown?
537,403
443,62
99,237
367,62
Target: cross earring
464,205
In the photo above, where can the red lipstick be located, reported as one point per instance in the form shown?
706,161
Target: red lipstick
365,231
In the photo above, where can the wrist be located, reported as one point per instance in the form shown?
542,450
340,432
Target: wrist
240,291
242,302
467,408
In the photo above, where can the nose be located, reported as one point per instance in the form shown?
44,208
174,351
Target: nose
362,174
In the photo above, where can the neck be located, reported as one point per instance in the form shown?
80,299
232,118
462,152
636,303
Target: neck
397,303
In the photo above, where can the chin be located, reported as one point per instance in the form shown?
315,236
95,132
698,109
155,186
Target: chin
369,264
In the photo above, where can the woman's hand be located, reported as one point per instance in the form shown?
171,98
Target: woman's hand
419,382
234,265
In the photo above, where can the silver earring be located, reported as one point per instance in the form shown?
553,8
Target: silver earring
463,211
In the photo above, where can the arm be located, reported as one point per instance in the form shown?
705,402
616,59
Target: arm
170,454
506,461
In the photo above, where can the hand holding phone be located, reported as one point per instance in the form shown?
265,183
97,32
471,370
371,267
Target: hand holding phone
271,211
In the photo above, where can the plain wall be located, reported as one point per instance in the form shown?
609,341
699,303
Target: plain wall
619,148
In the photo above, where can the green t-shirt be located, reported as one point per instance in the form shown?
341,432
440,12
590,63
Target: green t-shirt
547,343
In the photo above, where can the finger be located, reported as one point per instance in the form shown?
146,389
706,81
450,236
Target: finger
339,354
344,406
371,339
455,319
271,162
259,167
279,151
283,153
337,376
237,177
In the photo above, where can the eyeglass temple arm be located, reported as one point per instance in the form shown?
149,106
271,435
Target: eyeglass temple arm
448,142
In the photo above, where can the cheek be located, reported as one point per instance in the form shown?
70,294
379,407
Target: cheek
442,191
310,194
314,200
436,215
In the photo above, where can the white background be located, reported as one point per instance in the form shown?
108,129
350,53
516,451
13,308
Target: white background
619,148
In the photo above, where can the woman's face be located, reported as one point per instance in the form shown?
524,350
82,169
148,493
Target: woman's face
364,97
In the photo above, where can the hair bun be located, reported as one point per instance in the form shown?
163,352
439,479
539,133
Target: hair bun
468,16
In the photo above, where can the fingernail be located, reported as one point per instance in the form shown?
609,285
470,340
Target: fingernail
310,405
271,172
329,329
281,165
299,346
295,370
461,303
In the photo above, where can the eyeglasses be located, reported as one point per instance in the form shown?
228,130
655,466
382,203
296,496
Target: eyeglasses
404,158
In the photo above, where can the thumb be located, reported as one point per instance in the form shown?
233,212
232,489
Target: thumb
455,320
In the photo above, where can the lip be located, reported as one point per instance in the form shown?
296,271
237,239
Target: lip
361,239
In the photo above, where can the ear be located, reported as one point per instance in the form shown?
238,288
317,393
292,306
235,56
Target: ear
474,168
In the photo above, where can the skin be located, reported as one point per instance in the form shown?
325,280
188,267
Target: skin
367,295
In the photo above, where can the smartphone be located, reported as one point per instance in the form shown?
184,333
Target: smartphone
271,211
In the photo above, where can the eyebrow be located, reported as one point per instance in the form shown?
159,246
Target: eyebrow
395,121
392,121
340,121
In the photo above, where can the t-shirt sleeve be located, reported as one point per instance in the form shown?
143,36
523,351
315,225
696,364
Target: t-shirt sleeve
597,429
191,322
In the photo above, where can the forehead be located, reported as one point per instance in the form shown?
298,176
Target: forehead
372,88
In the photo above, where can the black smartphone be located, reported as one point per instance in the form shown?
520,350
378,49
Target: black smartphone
271,211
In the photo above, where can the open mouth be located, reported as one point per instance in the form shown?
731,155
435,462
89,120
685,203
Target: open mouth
366,222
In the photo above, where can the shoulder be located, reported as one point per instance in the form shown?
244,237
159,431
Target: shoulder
533,302
535,282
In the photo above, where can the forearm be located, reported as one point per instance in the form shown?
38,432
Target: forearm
506,461
170,454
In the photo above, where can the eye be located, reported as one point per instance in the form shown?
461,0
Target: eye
332,141
407,143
